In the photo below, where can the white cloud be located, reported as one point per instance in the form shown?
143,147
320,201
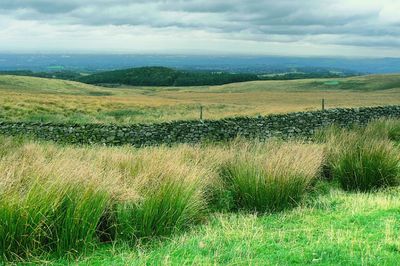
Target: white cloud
390,13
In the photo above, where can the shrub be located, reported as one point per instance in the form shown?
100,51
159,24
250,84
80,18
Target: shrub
272,180
362,163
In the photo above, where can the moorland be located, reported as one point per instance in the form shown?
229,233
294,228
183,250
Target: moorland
331,199
54,100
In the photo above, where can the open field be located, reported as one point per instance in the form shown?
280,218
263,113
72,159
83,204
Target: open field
35,99
333,201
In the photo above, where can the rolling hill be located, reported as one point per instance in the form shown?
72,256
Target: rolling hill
52,100
167,77
162,76
26,84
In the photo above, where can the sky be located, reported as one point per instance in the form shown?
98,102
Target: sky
357,28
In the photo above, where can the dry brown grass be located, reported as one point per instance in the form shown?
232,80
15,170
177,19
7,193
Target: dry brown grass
51,100
125,172
128,173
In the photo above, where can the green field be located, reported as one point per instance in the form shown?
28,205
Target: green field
336,229
50,100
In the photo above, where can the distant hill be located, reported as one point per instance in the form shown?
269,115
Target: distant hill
163,76
26,84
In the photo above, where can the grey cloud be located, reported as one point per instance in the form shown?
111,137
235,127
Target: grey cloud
249,14
41,6
262,20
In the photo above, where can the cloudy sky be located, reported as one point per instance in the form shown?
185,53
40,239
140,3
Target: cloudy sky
266,27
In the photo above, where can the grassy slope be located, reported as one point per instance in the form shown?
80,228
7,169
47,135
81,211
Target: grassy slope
335,229
26,98
24,84
359,83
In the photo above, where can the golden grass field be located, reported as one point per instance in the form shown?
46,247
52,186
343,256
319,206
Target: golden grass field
37,99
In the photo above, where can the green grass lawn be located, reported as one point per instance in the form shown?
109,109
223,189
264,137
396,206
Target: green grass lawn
336,228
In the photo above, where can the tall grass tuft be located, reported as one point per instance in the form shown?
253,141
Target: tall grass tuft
384,129
171,198
50,202
274,179
362,163
23,223
170,208
57,218
76,219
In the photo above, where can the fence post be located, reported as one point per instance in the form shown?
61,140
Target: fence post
323,104
201,113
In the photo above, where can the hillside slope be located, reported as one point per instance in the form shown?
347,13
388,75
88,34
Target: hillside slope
359,83
45,85
50,100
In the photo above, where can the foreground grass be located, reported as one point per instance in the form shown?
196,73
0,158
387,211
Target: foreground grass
234,203
337,228
48,100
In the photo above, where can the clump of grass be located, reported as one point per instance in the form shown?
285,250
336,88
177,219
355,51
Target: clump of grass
49,217
171,207
384,129
83,195
50,202
171,197
274,179
363,163
8,145
120,113
23,223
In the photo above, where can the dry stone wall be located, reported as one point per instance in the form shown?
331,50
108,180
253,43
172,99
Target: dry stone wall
282,125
